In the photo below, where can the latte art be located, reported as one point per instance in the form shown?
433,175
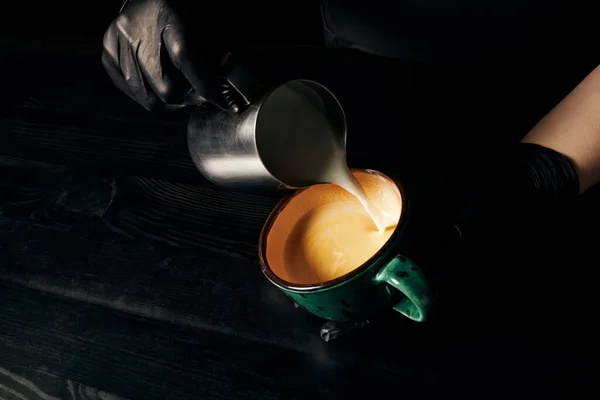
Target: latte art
325,232
332,240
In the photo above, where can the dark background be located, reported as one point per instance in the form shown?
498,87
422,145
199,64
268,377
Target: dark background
123,270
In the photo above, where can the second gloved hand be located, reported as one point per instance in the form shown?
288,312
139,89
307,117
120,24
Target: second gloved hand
149,55
526,184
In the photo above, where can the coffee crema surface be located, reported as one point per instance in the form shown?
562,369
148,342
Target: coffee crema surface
324,232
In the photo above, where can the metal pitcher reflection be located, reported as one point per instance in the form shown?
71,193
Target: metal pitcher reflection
282,138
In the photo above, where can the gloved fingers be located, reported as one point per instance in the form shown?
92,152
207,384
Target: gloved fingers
110,60
133,74
110,44
167,83
204,80
115,74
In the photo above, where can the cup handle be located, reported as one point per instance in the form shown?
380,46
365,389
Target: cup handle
404,275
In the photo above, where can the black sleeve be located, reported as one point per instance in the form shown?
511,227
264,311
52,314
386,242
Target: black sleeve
293,22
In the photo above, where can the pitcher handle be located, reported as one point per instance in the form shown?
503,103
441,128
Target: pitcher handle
244,84
240,87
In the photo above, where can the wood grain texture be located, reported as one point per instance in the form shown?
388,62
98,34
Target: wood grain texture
41,385
139,358
121,268
137,279
147,359
201,243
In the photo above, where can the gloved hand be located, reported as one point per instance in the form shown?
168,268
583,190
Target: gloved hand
526,183
508,222
149,55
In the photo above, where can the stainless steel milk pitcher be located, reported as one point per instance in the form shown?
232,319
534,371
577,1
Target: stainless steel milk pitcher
263,145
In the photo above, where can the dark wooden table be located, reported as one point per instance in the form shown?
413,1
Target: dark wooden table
123,271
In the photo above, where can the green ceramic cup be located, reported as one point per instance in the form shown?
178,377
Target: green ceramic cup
387,280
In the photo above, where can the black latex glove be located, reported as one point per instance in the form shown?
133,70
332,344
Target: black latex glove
527,183
508,228
151,56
